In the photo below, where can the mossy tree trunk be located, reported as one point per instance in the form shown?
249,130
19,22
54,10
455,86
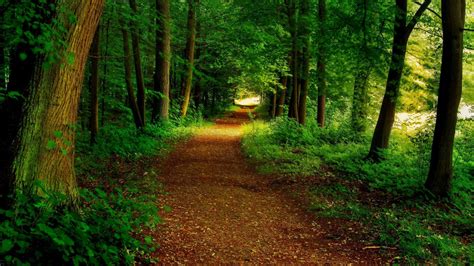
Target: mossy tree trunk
293,24
450,90
47,133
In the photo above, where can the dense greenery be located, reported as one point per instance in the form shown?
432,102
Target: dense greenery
361,94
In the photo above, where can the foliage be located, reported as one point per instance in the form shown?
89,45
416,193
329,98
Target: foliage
40,230
422,229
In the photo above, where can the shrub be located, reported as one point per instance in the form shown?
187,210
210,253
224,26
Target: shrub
40,230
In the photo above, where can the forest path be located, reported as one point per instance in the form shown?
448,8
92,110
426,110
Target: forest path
223,211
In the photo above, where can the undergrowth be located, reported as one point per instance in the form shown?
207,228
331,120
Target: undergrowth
115,209
404,216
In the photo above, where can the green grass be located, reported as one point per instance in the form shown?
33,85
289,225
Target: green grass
393,201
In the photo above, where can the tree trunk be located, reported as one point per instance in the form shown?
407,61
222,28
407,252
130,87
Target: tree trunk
94,87
293,23
360,101
190,49
128,79
273,106
306,56
386,118
46,136
138,63
104,79
281,98
3,74
450,90
322,86
163,57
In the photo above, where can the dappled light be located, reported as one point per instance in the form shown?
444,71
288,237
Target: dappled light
202,132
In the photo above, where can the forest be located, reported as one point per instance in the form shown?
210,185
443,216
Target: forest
236,131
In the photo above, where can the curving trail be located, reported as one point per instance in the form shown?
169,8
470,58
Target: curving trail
223,211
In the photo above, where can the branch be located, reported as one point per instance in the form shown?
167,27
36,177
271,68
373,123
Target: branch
417,16
467,29
431,10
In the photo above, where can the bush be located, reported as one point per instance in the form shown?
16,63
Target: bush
40,230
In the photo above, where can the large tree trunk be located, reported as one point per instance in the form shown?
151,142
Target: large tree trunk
94,87
402,33
138,63
293,23
163,57
46,136
190,49
450,90
322,86
128,79
306,55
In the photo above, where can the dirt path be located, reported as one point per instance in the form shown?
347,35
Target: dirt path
224,212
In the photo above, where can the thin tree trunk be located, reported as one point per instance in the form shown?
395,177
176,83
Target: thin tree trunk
360,101
46,137
293,22
402,32
305,32
94,87
128,79
322,86
138,63
3,83
190,50
450,91
104,80
281,98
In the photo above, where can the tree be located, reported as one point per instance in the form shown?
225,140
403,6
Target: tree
450,90
305,32
45,138
138,63
128,79
293,24
163,57
94,87
402,32
321,65
190,49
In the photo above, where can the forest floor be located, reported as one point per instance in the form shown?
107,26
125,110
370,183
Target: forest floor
223,211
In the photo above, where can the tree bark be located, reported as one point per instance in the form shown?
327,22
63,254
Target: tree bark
321,65
282,96
360,101
46,136
306,56
163,57
138,64
450,91
94,87
402,32
293,23
128,79
190,49
3,83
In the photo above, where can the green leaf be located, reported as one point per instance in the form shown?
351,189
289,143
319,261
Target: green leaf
51,145
58,134
6,246
23,56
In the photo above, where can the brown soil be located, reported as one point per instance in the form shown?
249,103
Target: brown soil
223,211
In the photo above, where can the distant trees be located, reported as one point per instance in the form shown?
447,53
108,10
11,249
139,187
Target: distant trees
450,90
94,87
